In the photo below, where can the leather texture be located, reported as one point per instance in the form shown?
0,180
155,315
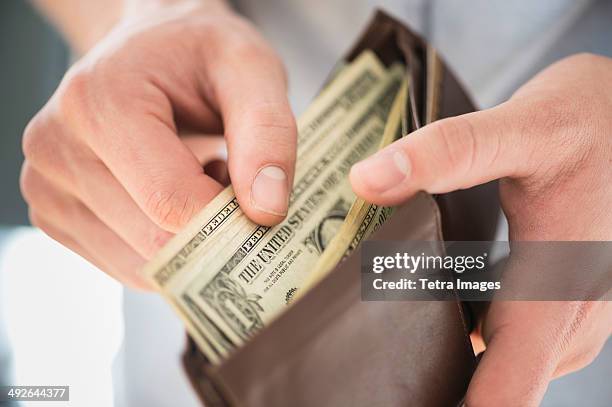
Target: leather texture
333,349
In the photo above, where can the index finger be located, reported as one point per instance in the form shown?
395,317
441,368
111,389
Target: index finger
133,133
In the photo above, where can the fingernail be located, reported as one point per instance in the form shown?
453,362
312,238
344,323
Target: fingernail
384,170
270,192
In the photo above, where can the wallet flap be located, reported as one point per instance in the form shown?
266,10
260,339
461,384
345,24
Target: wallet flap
333,349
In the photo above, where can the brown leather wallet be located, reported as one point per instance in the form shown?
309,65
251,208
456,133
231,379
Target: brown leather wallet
333,349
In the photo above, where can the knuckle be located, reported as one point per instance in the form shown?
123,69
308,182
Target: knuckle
457,143
26,183
47,150
33,140
73,94
169,207
46,145
273,127
270,116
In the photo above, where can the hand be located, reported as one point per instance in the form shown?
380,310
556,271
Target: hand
106,172
550,146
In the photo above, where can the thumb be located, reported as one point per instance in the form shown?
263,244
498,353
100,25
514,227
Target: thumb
260,130
447,155
525,341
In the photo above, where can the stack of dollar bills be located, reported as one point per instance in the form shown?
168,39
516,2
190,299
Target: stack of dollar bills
227,277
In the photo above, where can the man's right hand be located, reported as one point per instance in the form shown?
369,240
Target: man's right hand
106,172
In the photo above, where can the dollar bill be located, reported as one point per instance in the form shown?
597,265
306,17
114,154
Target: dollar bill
336,100
243,289
363,218
227,277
